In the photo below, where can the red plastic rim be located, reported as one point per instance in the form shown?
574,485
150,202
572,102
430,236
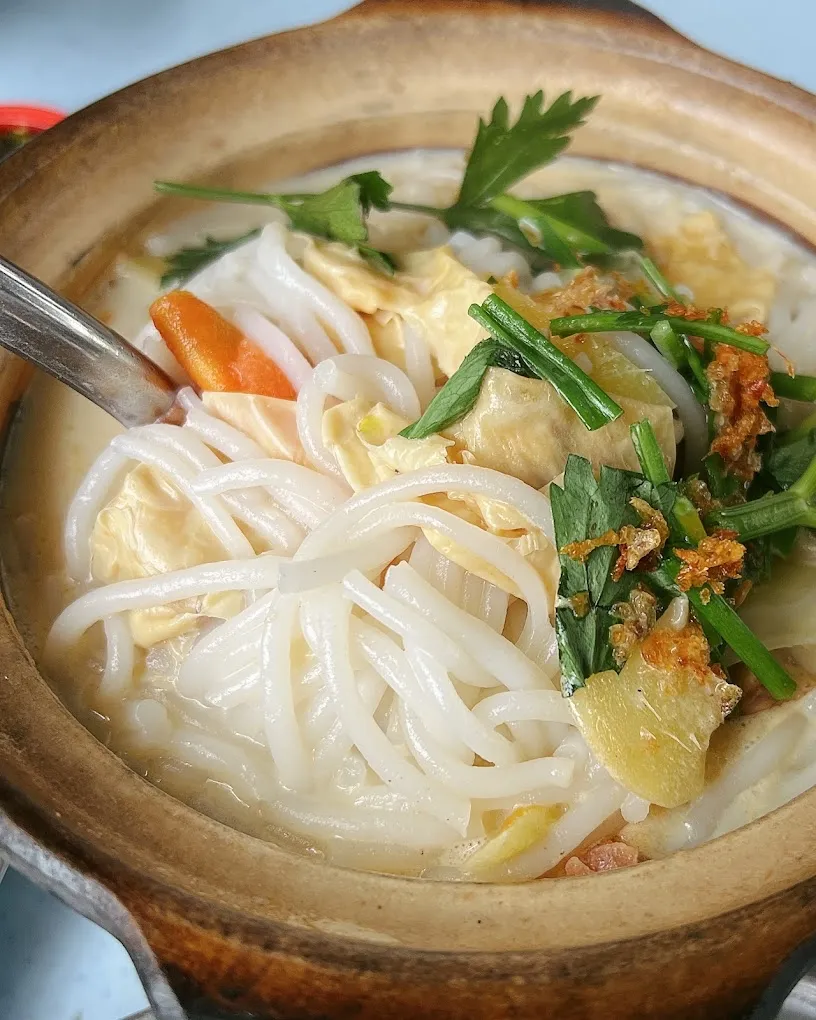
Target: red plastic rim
31,118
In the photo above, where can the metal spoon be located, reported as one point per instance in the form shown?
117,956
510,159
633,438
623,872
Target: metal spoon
56,336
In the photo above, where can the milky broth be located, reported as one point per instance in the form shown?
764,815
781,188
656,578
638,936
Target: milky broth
57,434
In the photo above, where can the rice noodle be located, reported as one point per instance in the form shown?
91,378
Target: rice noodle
373,696
695,430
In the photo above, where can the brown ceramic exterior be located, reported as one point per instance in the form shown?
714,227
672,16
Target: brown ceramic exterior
237,924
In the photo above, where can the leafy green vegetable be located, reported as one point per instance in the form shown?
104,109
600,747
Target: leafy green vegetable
337,214
186,262
776,511
644,321
504,153
461,391
564,229
584,508
785,462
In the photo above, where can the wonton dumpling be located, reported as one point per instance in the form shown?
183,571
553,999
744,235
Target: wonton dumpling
522,427
137,535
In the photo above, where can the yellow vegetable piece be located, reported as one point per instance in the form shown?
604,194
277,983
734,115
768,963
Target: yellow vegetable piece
522,829
651,729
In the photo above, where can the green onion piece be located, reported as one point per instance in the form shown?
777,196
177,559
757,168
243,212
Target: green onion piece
593,405
668,343
794,387
653,466
718,616
772,513
647,448
801,431
722,617
699,382
656,278
644,323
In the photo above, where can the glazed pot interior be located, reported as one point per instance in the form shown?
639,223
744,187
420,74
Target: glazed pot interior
280,107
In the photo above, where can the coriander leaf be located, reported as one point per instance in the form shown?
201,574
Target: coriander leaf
584,508
375,191
582,225
186,262
504,153
337,214
461,391
786,462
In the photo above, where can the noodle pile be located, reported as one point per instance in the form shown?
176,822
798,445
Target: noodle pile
373,698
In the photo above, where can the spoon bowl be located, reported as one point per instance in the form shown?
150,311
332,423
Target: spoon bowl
43,328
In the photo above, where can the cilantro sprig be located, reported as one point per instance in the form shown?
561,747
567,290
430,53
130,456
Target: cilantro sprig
186,262
337,214
563,230
585,508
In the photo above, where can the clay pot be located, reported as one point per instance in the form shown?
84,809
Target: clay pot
229,925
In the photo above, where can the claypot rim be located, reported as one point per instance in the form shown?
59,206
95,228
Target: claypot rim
789,829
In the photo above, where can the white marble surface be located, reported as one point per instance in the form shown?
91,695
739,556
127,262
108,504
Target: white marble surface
55,965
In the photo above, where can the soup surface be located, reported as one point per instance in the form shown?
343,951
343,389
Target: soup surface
347,640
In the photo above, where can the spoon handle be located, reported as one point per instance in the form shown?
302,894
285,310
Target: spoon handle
56,336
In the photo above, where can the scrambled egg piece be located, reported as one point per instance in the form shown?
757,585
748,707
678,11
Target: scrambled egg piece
701,256
522,427
366,442
431,294
270,421
137,535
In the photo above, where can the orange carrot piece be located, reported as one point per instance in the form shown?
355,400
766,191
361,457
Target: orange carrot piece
214,353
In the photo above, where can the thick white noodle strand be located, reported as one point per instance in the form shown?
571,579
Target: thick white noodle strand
278,265
301,575
280,719
143,593
121,656
327,616
418,365
274,343
695,430
500,656
353,375
476,780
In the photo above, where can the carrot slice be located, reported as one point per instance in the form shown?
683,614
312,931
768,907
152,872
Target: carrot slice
214,353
